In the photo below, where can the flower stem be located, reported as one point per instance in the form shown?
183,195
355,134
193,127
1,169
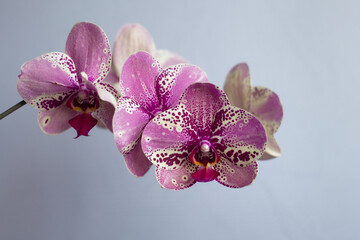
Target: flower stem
12,109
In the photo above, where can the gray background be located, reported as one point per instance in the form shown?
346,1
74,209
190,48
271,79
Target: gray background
56,188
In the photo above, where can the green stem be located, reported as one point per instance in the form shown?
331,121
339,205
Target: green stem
12,109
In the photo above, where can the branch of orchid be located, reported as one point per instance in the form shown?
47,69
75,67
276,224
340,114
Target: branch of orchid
12,109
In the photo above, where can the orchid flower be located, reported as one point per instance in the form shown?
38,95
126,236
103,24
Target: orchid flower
203,138
130,39
146,91
260,101
68,88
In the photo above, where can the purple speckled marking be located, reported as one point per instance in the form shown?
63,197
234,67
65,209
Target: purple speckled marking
147,90
171,82
204,138
63,86
175,138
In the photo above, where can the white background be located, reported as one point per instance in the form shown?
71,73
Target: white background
308,52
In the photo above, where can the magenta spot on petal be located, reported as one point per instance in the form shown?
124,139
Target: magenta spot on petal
245,156
83,123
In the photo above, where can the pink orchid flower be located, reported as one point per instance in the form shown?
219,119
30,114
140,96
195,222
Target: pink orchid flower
130,39
203,138
68,88
260,101
146,91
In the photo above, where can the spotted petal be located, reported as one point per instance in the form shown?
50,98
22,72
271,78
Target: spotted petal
169,138
238,86
203,100
128,123
89,47
57,120
177,179
172,81
46,81
107,91
137,79
105,114
167,58
130,39
234,176
266,105
238,135
136,161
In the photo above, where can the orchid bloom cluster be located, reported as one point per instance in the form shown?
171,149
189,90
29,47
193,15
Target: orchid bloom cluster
161,110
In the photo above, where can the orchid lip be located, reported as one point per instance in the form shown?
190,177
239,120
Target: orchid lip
205,157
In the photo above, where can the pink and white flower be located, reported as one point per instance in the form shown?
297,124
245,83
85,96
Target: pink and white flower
204,138
68,88
146,90
132,38
260,101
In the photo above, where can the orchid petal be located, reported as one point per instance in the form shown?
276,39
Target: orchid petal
169,138
239,135
128,122
136,162
272,149
108,89
266,105
167,58
238,86
203,100
172,81
57,120
137,79
105,114
89,47
176,179
46,81
234,176
130,39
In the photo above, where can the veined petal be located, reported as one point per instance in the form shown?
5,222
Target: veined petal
169,138
136,162
57,120
238,86
167,58
46,81
234,176
128,123
172,81
130,39
266,105
137,79
105,114
272,149
238,135
203,100
177,179
89,47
